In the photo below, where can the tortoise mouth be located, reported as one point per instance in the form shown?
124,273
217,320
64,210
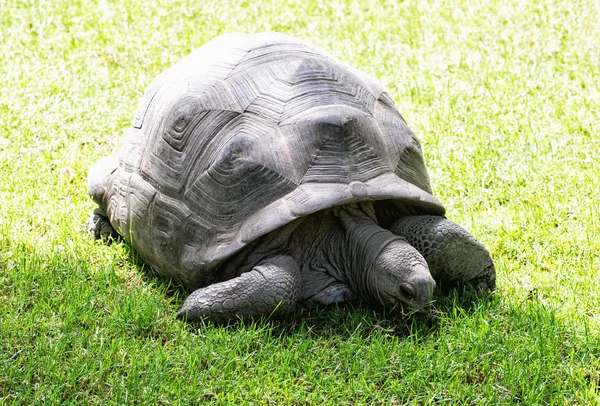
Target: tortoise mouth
404,296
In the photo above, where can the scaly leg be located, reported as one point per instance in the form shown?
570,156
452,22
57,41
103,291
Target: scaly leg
270,288
453,255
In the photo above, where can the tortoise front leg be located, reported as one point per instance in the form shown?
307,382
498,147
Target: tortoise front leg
453,255
270,288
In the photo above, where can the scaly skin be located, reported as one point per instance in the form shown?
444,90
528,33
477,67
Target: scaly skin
271,288
453,255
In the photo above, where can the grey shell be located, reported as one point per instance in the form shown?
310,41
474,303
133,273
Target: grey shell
245,135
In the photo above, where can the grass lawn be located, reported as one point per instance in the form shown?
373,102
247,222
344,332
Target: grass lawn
505,97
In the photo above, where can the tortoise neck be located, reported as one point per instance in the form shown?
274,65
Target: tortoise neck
362,242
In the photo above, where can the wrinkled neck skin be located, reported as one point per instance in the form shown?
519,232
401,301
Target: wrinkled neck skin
343,242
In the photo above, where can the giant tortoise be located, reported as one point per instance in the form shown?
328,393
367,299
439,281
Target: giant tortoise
264,174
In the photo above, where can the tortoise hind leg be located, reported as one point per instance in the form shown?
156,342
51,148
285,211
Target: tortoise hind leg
453,255
270,288
98,226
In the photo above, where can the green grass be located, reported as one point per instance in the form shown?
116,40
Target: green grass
505,97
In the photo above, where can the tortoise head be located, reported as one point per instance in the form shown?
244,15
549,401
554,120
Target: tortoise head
382,267
400,275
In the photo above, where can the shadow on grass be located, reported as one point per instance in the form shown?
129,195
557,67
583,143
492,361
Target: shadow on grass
350,319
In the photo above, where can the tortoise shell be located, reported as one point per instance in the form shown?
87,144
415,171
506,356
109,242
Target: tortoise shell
247,134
